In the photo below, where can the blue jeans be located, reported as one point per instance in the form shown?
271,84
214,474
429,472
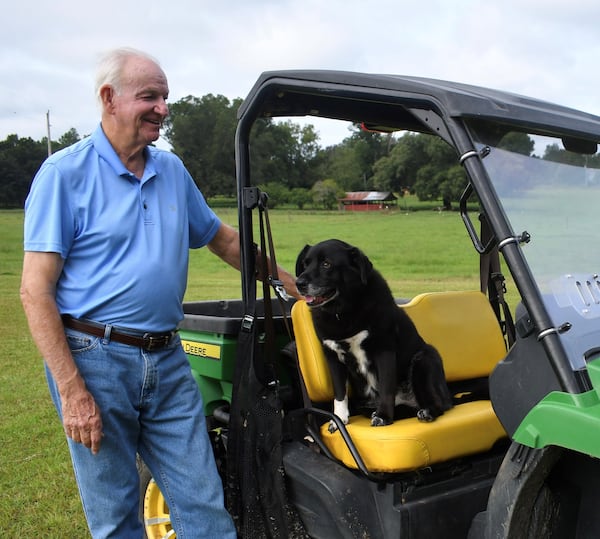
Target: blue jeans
151,405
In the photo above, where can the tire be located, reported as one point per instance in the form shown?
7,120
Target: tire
544,493
153,509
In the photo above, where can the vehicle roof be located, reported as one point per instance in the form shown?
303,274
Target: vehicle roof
367,97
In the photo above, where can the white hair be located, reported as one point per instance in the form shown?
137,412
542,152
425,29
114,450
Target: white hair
110,67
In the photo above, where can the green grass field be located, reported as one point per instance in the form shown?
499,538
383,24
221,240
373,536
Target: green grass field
416,252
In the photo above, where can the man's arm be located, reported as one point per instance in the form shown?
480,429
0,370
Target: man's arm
226,245
81,418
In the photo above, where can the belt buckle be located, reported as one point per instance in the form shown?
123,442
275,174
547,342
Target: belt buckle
151,342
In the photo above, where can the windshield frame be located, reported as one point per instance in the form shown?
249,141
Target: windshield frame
548,194
447,109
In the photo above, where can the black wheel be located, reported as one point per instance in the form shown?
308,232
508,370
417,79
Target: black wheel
153,511
548,493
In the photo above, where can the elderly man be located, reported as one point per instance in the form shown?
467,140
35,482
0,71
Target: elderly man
108,225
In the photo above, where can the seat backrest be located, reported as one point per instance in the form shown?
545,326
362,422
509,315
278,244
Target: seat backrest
461,325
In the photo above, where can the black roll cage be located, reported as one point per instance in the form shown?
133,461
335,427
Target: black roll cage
445,109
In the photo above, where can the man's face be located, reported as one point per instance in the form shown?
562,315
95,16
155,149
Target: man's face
140,107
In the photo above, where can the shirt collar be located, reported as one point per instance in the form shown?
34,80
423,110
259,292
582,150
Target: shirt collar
108,153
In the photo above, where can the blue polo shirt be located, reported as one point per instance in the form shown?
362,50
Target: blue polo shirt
124,241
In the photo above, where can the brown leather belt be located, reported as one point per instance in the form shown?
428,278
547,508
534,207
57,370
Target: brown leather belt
147,341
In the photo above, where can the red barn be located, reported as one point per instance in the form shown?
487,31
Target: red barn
367,200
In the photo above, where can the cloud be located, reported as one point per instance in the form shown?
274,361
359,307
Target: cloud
48,50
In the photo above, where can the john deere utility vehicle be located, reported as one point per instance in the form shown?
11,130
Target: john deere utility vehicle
518,455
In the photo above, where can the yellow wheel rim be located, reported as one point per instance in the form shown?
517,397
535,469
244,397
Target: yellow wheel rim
156,514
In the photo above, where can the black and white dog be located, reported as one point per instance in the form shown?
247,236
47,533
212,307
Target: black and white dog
368,340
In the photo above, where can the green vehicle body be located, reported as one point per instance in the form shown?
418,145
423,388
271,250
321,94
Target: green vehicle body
565,419
538,215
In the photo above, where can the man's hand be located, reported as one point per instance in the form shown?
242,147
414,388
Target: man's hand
226,245
81,417
82,421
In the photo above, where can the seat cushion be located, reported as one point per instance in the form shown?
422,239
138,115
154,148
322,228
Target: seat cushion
311,358
410,444
463,328
461,325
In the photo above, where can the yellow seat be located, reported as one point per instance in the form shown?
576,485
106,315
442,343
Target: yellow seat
464,329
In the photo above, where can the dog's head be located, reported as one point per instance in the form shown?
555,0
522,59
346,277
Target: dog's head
329,270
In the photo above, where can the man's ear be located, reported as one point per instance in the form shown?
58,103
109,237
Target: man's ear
107,97
300,260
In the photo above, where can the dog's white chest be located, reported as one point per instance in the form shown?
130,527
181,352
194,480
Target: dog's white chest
353,345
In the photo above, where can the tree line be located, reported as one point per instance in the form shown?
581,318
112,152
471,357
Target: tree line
287,159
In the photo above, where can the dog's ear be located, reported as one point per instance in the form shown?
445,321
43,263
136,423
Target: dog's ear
300,260
362,263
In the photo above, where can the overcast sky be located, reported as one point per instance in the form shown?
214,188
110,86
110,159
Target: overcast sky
548,49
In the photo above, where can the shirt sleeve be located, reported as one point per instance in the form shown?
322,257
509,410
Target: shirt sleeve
203,221
49,221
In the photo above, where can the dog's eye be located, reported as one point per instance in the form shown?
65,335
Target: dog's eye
326,264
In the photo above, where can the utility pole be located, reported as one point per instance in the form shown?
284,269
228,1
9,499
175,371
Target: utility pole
48,130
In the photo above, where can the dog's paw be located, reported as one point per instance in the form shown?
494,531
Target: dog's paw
332,427
377,421
425,415
341,410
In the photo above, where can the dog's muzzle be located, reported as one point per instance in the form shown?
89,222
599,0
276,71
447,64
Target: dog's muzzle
320,300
